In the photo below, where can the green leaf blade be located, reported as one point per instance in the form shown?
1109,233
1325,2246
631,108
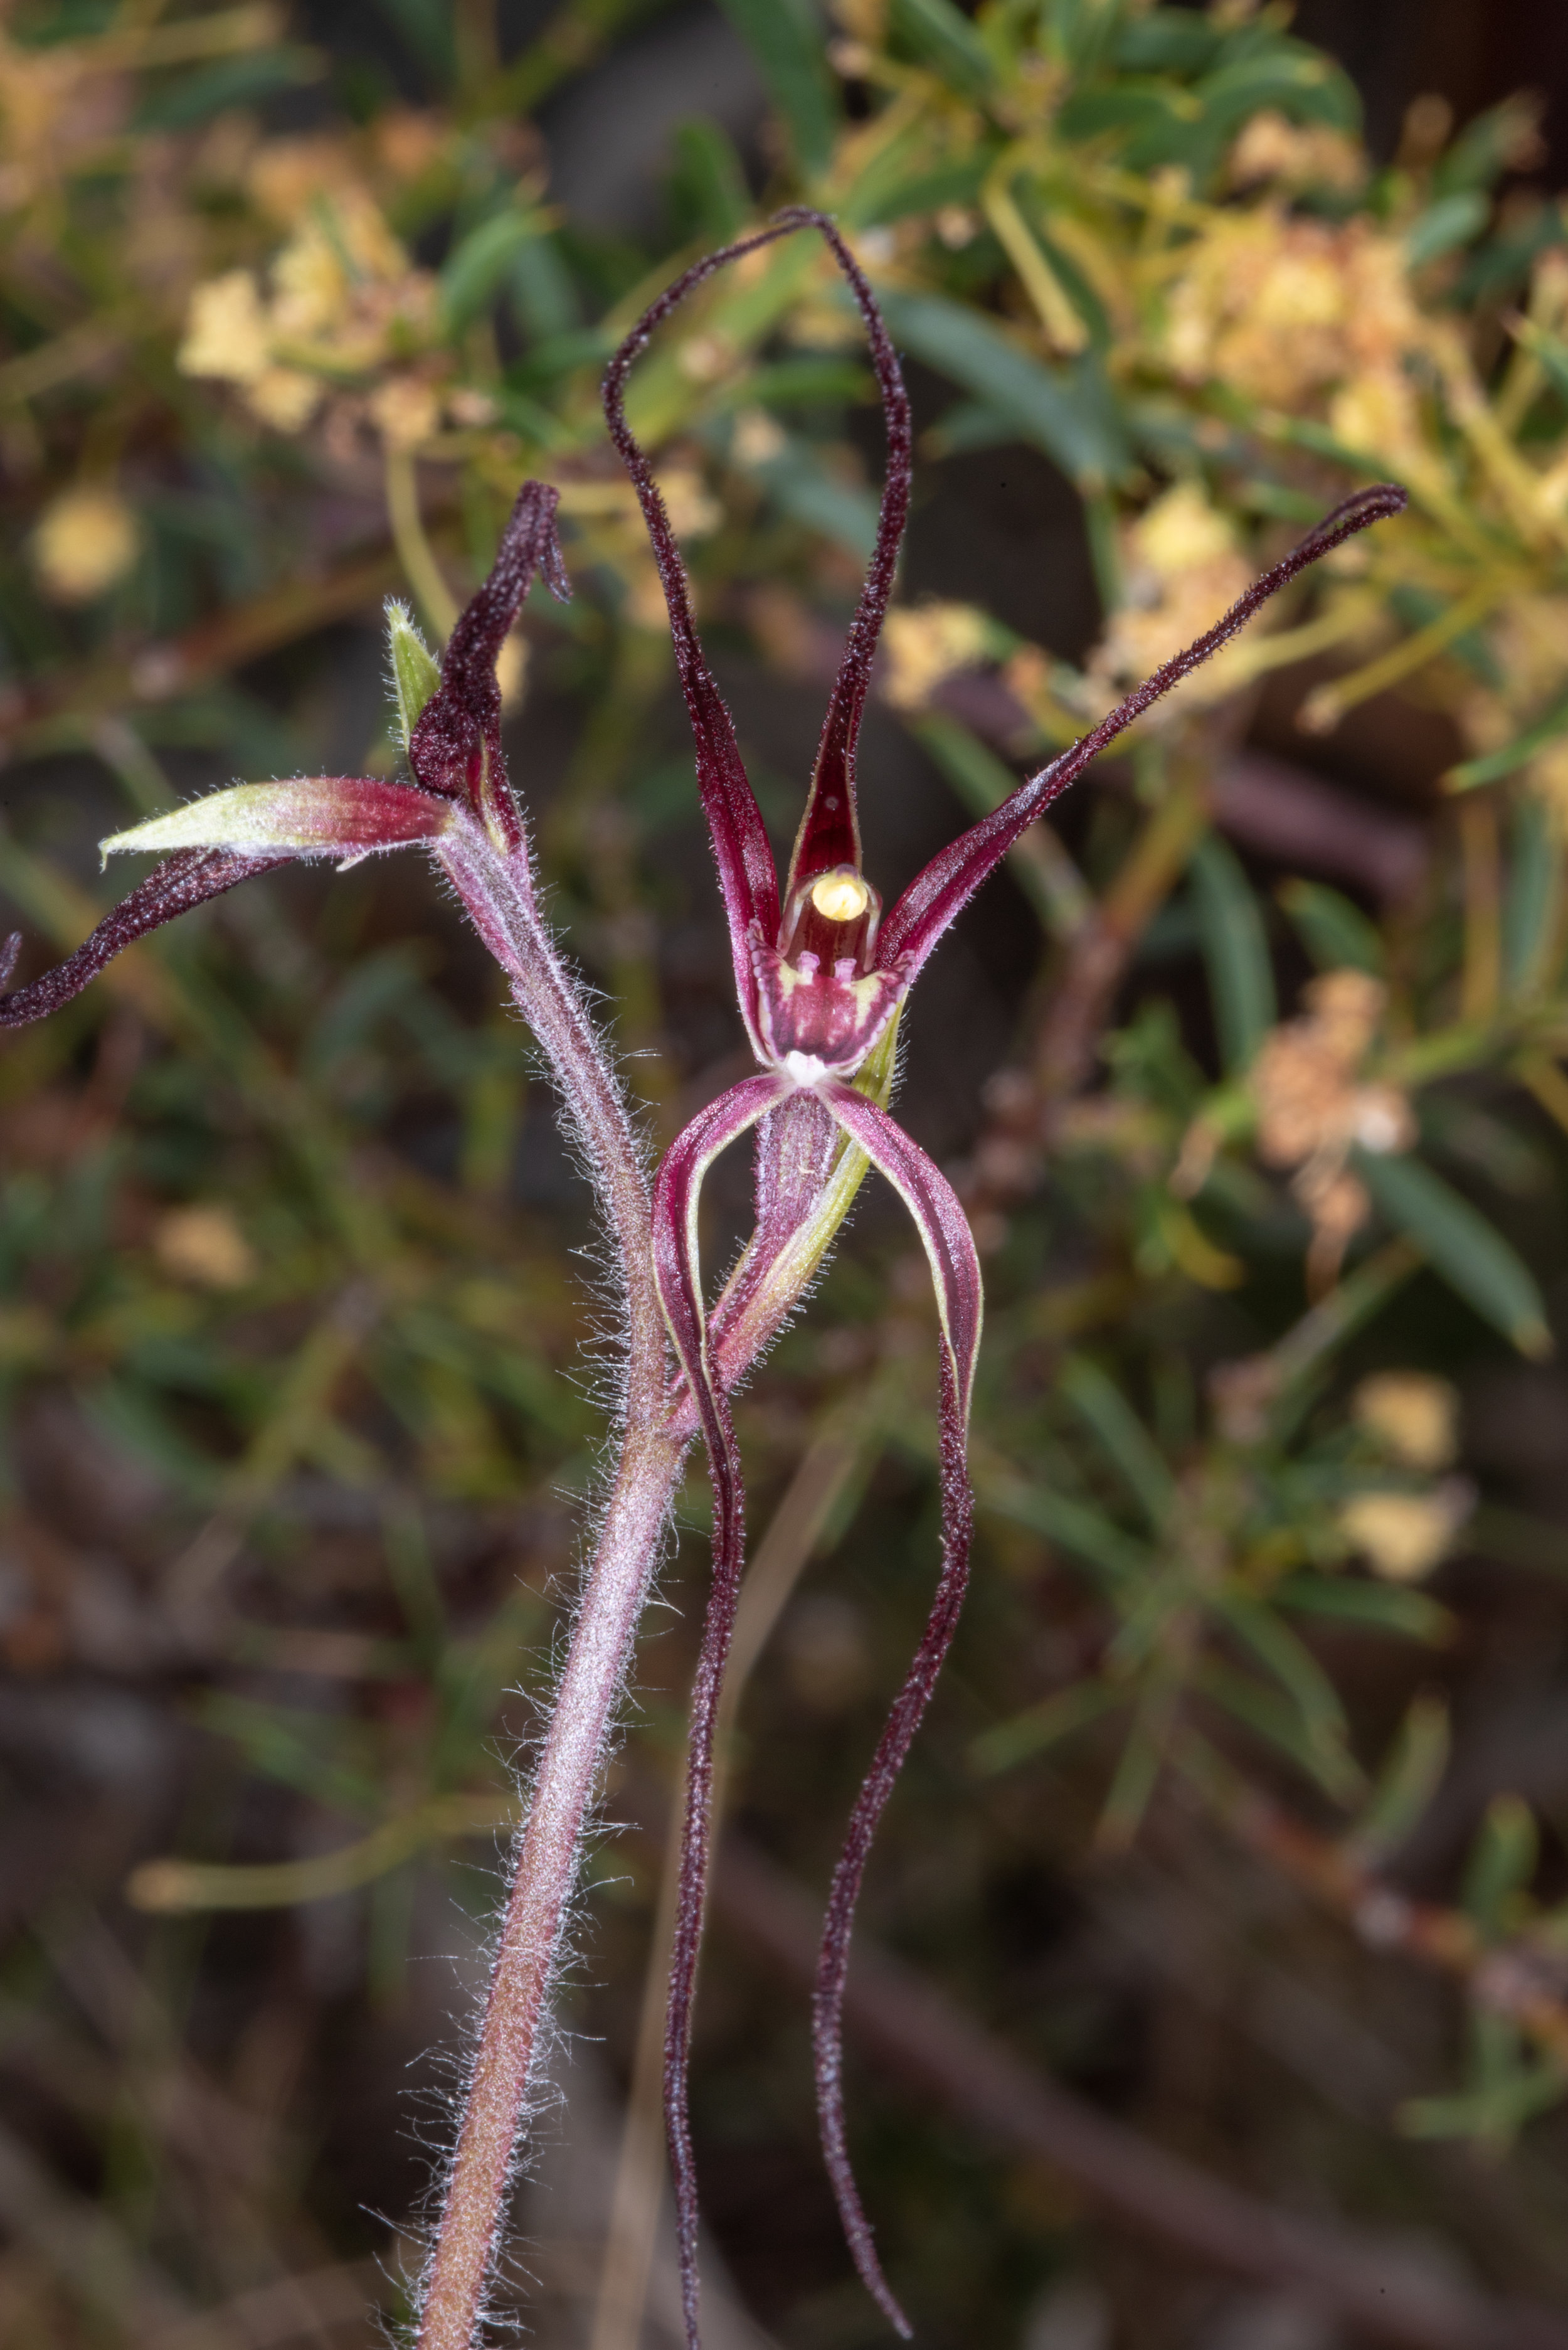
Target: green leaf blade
787,39
1235,952
1461,1245
1070,413
1123,1438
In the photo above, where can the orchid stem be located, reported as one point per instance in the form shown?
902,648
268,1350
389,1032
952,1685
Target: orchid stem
497,886
543,1878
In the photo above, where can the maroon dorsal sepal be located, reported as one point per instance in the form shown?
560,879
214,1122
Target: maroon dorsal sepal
829,832
456,746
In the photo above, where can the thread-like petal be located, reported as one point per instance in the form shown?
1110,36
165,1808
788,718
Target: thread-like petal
935,897
955,1271
182,881
748,877
829,830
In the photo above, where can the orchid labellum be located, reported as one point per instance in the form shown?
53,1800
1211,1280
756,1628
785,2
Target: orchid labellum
821,973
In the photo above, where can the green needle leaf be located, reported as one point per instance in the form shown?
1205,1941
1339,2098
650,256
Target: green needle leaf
1457,1242
1099,1403
1411,1774
1336,934
1501,1863
786,38
1236,951
1070,413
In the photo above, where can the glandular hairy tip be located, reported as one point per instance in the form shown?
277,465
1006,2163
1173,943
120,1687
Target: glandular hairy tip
416,674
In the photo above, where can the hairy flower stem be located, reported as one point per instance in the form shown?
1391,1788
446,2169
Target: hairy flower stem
496,887
658,1422
545,1870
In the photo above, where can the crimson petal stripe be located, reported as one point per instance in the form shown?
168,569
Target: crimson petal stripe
938,895
186,879
955,1271
676,1271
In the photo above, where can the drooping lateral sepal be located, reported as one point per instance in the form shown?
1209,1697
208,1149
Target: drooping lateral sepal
182,881
677,1195
313,816
807,1174
454,747
677,1274
938,1218
892,1751
955,1269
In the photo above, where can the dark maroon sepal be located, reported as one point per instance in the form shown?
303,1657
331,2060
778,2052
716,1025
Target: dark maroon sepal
829,830
829,833
934,897
456,746
676,1194
181,881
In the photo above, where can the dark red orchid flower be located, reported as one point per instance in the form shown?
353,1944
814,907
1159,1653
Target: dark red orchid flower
452,726
821,977
821,973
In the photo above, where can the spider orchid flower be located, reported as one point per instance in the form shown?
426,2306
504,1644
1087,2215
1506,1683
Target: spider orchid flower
459,798
821,975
